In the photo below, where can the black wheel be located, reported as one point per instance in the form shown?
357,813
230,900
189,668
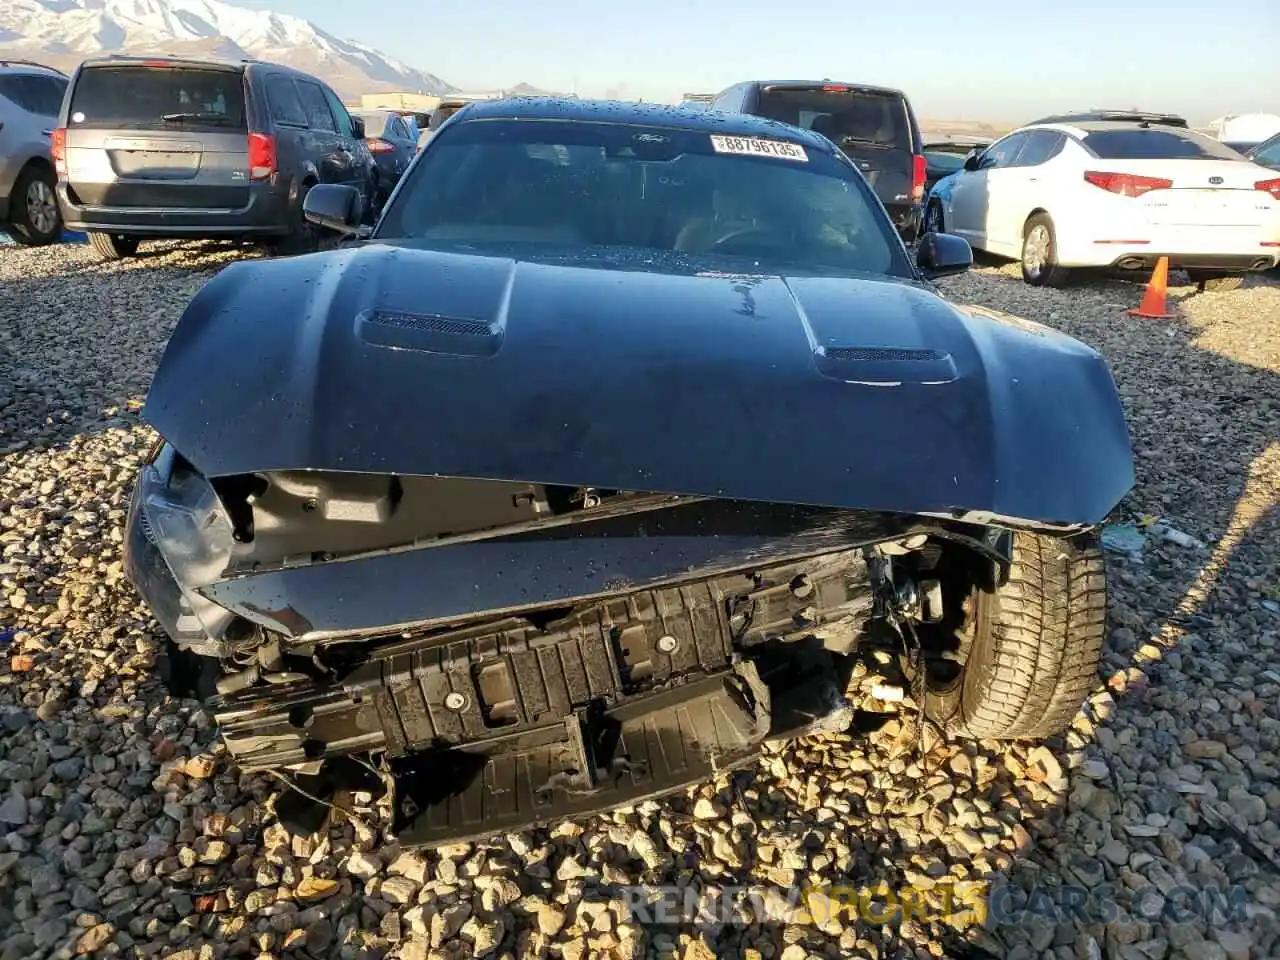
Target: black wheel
113,246
303,235
1215,282
1040,253
33,208
933,218
1030,647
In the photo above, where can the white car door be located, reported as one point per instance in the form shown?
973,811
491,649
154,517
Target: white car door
971,198
1018,187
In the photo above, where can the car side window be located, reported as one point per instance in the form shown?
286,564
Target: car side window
339,113
1003,152
39,95
400,130
282,98
1040,145
317,108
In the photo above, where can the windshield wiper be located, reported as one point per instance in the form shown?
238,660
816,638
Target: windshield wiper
196,117
842,141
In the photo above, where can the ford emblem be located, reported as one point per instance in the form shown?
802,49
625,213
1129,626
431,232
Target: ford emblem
1215,180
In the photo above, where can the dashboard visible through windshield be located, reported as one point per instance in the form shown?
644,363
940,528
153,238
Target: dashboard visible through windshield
591,185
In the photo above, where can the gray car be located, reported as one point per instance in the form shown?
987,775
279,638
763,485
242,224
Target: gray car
393,141
30,96
171,147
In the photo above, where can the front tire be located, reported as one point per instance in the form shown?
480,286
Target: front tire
1040,253
113,246
1033,644
35,220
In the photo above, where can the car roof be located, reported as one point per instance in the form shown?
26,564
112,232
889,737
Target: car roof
1097,126
640,114
27,66
827,82
126,60
1114,116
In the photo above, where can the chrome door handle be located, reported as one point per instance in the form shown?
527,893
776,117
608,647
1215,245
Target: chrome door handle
47,133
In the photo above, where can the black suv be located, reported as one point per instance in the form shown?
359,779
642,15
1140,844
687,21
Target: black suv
170,147
874,126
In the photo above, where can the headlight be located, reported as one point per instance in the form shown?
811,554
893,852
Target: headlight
180,514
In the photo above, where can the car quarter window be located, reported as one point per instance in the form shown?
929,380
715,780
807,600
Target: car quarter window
1003,152
282,97
317,107
1269,153
340,114
1040,145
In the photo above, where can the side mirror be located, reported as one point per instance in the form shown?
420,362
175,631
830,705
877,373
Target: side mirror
943,254
357,128
334,206
972,160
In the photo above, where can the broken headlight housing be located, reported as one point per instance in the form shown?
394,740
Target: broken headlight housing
176,518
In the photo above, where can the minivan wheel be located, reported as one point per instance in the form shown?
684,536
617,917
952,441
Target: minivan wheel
1032,644
33,208
1040,254
303,235
113,246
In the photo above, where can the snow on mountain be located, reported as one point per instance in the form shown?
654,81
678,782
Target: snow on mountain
62,32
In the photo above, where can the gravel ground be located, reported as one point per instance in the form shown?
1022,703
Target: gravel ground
123,832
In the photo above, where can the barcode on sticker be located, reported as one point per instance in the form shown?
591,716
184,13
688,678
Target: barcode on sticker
753,147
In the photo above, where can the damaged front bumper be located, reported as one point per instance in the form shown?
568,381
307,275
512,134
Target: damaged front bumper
513,676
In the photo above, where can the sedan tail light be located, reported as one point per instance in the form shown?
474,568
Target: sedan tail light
1126,184
378,145
58,150
919,170
1269,186
262,156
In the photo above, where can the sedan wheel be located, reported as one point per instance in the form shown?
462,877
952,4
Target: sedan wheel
34,208
933,218
1040,255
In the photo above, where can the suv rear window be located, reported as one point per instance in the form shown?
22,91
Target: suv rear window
1156,144
842,116
440,114
135,97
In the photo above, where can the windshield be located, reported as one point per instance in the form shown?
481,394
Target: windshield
1156,144
159,97
588,186
840,115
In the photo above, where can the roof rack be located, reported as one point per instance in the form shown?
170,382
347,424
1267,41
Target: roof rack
1121,116
17,62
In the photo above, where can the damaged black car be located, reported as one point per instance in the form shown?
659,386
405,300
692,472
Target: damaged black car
599,461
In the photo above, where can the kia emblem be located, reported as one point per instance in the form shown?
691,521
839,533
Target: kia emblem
1215,180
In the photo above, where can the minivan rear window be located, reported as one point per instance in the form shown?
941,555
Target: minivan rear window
1156,144
163,98
843,116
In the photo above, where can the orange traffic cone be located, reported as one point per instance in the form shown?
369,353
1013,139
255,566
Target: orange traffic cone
1153,302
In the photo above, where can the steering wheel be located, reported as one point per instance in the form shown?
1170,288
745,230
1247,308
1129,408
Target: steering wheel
740,232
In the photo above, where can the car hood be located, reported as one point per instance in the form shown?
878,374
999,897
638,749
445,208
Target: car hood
865,393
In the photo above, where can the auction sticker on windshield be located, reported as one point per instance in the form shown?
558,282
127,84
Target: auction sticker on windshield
754,147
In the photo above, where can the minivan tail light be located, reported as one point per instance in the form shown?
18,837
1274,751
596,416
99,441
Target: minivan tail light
58,150
1126,184
1269,186
262,156
919,170
378,145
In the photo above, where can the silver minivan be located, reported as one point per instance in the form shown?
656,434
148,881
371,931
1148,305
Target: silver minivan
169,147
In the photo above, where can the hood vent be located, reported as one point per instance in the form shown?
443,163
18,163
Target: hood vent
886,366
428,332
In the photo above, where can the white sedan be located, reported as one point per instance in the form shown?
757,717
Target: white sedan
1116,194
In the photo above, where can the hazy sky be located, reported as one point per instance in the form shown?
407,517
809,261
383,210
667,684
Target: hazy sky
1002,60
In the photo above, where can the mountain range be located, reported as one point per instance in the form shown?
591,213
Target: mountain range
61,33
